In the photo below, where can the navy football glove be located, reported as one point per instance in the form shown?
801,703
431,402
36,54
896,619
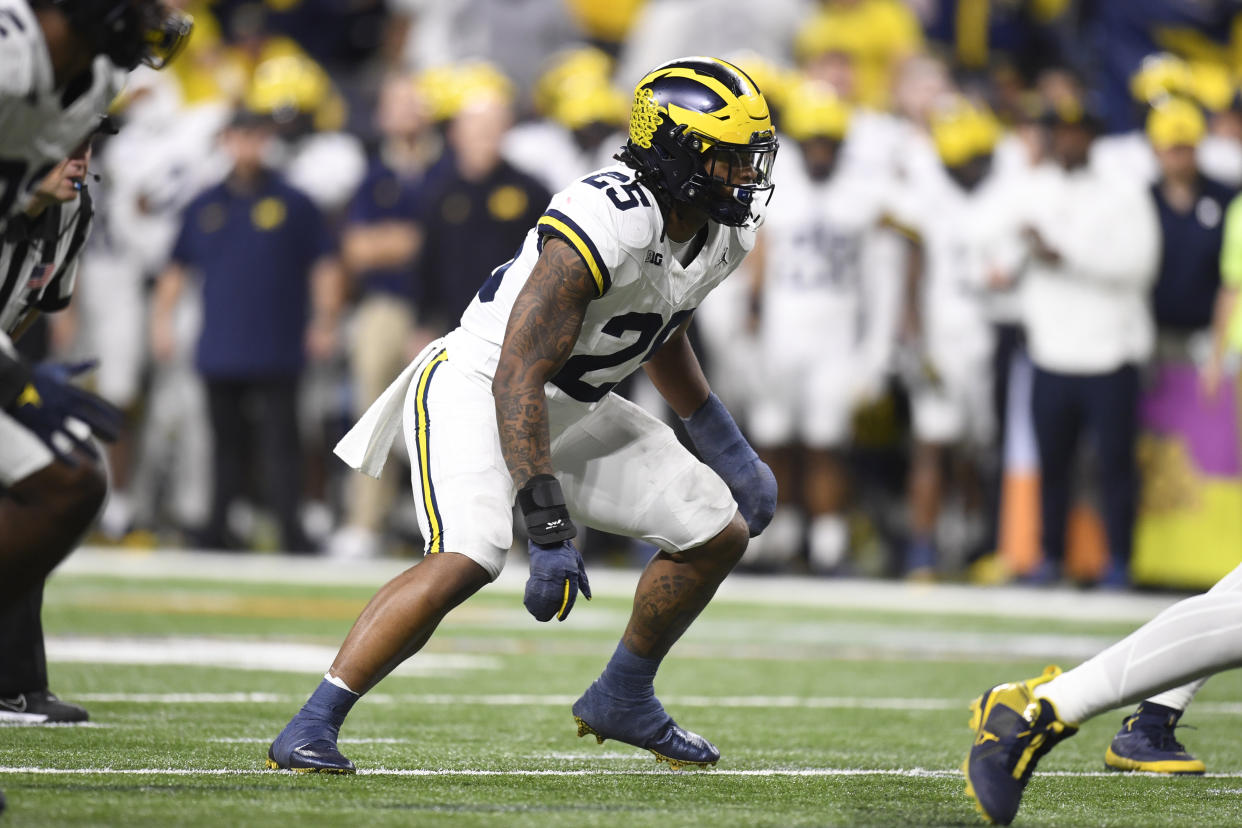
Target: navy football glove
62,415
725,450
556,568
557,573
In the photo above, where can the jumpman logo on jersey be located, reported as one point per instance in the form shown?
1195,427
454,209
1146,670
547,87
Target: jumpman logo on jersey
724,257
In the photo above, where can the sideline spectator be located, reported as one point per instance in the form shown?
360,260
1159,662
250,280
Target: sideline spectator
379,245
476,213
1092,245
271,295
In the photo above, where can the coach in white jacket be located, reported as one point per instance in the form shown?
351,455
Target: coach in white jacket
1092,250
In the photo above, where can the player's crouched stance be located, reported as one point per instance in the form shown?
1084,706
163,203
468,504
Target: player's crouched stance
516,403
51,481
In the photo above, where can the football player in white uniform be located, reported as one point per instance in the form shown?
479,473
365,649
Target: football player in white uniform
61,64
1017,723
59,496
952,211
825,298
517,402
51,481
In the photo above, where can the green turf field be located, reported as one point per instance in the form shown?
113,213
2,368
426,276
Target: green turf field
831,705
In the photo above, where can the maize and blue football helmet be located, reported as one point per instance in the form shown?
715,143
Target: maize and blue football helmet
129,32
701,134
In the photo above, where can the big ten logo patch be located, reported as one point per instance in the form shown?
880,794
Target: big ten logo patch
507,203
268,213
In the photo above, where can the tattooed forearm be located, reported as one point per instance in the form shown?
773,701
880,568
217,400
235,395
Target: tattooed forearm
543,327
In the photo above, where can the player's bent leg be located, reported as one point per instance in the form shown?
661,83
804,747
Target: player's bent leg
673,590
395,624
1013,731
1146,741
43,517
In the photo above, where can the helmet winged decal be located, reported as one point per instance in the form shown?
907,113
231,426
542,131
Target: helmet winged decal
645,117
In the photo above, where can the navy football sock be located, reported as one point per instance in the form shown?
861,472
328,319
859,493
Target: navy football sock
630,676
330,704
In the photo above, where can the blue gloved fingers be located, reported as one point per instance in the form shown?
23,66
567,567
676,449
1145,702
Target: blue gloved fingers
73,369
556,572
754,490
102,418
759,497
584,585
569,597
547,597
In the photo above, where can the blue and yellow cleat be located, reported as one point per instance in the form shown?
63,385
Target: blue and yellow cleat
1013,730
308,747
1146,743
605,717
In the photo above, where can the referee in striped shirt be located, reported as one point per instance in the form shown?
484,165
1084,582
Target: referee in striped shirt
52,482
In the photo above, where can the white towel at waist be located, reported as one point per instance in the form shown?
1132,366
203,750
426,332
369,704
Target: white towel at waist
365,447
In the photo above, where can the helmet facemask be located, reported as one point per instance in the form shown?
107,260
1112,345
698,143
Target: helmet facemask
732,177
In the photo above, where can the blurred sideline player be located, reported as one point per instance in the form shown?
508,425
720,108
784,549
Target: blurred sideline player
607,280
825,301
317,156
583,117
1017,723
60,66
56,492
952,210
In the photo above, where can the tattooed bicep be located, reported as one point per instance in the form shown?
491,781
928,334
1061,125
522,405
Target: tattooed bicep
547,315
561,274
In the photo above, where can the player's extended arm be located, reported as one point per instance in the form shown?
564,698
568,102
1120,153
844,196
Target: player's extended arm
543,327
675,371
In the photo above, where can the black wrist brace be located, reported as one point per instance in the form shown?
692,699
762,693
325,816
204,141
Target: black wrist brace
543,506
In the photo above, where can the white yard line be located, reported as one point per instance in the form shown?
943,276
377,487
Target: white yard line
592,772
546,700
242,654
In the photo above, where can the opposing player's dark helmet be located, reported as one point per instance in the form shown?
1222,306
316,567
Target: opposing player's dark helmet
129,32
700,133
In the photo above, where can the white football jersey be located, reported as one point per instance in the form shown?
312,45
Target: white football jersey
958,230
819,248
615,224
36,130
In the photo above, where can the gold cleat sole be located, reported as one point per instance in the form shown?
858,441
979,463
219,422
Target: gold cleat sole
273,765
584,729
675,764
